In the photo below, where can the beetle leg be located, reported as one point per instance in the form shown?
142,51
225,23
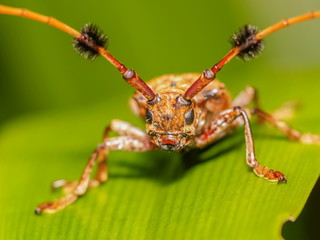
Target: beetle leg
101,174
227,121
292,134
250,95
122,128
117,126
134,139
245,97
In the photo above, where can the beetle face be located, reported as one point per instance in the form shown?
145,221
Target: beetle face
170,121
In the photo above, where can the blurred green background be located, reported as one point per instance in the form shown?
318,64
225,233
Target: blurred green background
41,73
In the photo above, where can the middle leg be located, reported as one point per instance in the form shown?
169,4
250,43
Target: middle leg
292,134
249,95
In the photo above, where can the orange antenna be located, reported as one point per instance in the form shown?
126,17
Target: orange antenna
246,45
90,42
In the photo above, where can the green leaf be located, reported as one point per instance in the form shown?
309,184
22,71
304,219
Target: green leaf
155,195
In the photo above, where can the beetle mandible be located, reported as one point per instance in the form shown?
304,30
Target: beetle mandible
180,110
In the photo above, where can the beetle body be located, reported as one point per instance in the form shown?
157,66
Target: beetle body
175,126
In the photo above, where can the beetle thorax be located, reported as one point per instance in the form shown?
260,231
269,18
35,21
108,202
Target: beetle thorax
170,121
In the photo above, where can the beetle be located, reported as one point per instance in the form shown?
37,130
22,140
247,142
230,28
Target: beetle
181,111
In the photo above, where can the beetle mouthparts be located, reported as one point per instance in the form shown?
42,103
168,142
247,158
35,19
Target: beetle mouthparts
168,144
168,141
168,147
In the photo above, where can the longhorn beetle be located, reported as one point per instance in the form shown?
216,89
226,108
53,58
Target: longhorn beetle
180,110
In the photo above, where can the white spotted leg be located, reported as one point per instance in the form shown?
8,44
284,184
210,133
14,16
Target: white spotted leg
131,139
227,121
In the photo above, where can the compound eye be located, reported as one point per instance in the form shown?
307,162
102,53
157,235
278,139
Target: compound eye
149,116
189,117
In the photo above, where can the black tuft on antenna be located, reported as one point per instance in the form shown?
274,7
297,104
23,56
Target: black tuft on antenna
91,38
245,38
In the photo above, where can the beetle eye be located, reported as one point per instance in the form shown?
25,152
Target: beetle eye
149,116
189,117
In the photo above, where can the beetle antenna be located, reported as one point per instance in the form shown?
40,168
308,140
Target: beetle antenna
247,43
90,42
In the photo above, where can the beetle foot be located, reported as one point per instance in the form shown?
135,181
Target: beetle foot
269,174
52,207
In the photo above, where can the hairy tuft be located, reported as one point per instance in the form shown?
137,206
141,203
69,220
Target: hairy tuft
245,39
91,37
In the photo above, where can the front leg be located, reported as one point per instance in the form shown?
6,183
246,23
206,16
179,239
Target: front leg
226,122
134,140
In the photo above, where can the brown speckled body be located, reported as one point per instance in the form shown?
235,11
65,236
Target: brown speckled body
211,101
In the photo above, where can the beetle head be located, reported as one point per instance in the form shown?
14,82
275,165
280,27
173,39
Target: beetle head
170,121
